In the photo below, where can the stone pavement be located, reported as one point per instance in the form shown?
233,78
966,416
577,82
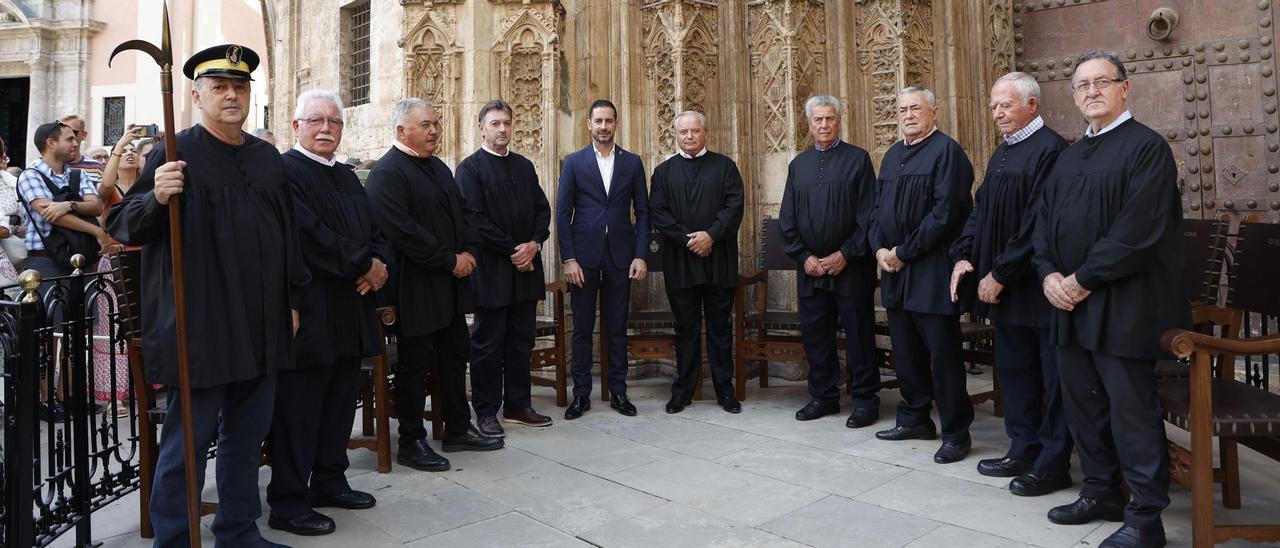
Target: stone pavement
708,478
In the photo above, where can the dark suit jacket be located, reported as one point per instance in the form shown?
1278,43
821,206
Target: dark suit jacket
583,211
419,208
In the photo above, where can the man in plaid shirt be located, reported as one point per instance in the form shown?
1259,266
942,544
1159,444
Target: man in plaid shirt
58,147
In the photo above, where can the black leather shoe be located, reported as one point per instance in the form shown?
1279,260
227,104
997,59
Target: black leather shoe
730,404
1133,537
471,440
309,524
622,405
420,456
351,500
577,406
676,405
1004,467
816,410
898,433
489,427
1032,484
527,417
1086,509
953,451
53,411
862,417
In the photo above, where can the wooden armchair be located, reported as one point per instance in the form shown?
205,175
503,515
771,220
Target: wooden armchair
777,332
550,328
372,412
375,412
1211,403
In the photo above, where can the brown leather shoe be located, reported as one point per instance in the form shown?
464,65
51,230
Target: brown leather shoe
527,417
489,427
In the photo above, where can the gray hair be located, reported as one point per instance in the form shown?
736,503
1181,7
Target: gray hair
1026,85
400,112
316,95
1099,54
260,132
702,118
821,101
928,94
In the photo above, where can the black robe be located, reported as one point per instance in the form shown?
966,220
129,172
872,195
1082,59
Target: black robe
826,206
339,242
510,209
242,262
1112,215
687,195
417,205
922,201
997,237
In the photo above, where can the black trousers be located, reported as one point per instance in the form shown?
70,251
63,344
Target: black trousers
1115,416
614,287
501,346
1033,417
821,314
689,306
926,355
444,352
239,415
309,431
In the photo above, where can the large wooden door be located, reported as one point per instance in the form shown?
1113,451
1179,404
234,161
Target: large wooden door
1209,88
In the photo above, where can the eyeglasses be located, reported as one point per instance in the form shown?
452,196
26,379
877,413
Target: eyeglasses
1099,84
317,121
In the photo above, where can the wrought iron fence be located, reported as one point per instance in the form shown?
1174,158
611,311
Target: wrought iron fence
62,341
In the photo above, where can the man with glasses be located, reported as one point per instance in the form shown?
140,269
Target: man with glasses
86,163
338,327
1109,251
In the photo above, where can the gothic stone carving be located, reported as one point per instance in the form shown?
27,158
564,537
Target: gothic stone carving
680,60
431,67
527,48
788,64
895,50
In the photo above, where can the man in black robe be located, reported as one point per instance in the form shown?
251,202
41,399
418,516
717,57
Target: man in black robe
996,248
922,201
244,278
1109,250
825,214
695,201
513,219
315,396
428,223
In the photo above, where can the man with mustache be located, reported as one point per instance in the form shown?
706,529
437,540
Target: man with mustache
1109,252
696,203
338,328
826,209
922,201
431,229
995,248
600,186
513,218
244,275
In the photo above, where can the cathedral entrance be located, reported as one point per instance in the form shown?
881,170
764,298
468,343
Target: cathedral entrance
14,96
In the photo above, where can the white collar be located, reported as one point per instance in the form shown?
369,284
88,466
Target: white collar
405,149
326,161
1124,117
907,142
490,151
613,149
1026,131
686,156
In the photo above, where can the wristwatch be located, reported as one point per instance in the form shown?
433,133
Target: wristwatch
74,206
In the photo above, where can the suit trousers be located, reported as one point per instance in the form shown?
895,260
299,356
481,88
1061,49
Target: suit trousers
1115,416
315,408
444,352
689,306
926,355
1027,365
501,346
614,287
245,411
821,314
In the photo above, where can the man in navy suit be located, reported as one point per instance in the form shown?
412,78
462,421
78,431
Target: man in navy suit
600,186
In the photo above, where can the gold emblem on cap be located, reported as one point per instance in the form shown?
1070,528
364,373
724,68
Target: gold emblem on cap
234,53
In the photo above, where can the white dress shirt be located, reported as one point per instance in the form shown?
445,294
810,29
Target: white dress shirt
326,161
605,163
1124,117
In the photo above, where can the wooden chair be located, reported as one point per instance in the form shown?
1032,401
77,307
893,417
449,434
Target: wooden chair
550,328
375,414
128,271
1207,402
777,332
372,412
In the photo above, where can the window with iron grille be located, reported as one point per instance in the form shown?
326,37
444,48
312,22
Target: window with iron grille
112,120
358,82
